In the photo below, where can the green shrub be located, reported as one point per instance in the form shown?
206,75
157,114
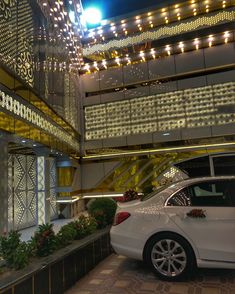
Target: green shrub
100,218
15,252
8,245
103,210
44,240
66,235
85,225
22,255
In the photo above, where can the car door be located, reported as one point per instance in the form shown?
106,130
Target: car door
206,215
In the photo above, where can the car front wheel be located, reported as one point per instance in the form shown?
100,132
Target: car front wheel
170,256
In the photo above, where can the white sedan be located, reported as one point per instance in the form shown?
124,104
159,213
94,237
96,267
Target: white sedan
187,224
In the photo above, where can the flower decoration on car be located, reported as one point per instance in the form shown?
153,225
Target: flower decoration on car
129,195
196,213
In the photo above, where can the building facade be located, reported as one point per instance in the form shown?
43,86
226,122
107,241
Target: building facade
39,103
159,88
102,110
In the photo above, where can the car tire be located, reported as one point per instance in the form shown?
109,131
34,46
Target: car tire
170,256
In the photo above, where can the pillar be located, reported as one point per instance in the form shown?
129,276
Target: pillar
3,186
43,190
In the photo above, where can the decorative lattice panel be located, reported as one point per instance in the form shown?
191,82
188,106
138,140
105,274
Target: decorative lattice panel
70,101
16,36
3,186
10,193
53,205
190,108
24,195
41,189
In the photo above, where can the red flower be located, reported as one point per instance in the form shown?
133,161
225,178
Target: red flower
197,213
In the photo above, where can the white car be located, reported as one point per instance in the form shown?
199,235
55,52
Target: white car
187,224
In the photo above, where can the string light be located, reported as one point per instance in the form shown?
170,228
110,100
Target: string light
209,6
169,49
64,32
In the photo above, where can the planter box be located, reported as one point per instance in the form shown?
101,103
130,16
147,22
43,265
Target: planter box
58,272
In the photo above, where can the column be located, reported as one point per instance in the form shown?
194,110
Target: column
3,186
43,189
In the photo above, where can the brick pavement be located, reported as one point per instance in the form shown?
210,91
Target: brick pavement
121,275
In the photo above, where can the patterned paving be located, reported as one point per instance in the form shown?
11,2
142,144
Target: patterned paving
121,275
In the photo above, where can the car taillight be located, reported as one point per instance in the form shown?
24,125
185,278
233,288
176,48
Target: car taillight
120,217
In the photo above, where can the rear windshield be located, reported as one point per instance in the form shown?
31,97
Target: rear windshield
158,190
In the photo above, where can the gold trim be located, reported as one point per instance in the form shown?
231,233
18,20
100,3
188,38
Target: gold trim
160,150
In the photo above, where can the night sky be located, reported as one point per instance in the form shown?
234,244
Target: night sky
113,8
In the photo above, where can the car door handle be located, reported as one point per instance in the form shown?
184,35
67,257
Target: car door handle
196,213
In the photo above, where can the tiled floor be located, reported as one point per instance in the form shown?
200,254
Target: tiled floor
120,275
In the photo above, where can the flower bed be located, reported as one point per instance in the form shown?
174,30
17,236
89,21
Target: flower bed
58,272
64,257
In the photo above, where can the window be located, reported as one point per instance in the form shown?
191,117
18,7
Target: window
181,198
196,167
209,193
213,193
224,165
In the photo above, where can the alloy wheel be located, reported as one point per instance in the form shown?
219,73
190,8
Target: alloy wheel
168,257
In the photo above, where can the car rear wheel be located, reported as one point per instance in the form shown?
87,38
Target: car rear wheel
170,256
